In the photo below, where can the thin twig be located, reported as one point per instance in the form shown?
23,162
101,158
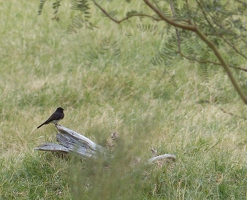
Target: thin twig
204,13
209,148
188,8
177,32
199,61
239,68
234,48
229,113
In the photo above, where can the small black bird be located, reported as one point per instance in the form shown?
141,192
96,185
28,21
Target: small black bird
55,117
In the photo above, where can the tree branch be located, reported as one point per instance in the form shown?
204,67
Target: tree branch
199,61
223,63
166,19
234,48
204,38
126,18
179,45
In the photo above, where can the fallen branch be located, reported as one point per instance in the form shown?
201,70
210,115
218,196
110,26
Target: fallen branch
162,157
71,141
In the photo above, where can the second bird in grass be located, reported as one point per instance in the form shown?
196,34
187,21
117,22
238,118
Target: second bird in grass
55,117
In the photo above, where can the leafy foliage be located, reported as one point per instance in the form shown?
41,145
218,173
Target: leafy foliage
167,55
107,49
82,19
56,6
79,20
112,13
41,5
219,20
147,27
223,23
204,72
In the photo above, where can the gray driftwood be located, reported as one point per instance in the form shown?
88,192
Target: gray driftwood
71,141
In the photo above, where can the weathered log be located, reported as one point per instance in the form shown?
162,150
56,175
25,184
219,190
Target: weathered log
71,141
76,137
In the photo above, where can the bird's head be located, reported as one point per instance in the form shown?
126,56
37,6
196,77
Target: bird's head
60,109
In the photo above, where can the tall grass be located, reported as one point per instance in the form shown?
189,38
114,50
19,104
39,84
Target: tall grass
172,108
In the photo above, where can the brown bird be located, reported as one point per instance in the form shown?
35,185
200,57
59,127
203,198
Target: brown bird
55,117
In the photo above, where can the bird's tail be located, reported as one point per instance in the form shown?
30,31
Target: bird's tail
40,125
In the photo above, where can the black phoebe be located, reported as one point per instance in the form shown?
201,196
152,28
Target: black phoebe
55,117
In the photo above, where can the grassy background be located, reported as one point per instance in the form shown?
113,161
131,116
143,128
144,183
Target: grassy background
172,108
